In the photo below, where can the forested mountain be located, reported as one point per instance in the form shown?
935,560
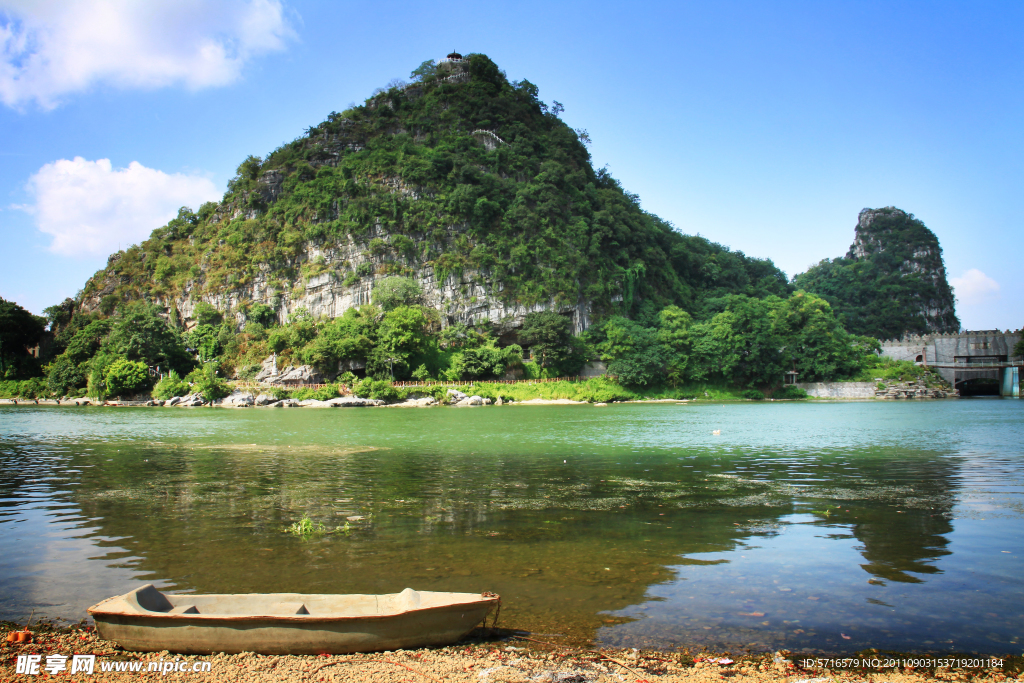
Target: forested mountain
450,228
462,180
892,281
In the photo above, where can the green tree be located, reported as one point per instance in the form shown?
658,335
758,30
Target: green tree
424,70
262,314
633,352
486,361
549,337
140,334
815,341
392,292
346,338
203,340
88,340
459,336
64,375
206,314
674,336
19,330
402,332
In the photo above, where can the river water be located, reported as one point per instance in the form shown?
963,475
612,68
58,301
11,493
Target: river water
818,527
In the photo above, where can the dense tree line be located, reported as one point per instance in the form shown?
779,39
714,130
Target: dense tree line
741,341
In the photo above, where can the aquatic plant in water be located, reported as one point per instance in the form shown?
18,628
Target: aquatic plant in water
306,528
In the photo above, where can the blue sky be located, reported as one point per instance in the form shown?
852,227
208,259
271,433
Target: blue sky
763,126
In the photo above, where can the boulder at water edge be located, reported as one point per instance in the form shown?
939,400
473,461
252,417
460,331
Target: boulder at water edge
353,402
236,399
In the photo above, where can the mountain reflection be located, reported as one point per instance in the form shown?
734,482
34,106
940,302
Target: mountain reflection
907,536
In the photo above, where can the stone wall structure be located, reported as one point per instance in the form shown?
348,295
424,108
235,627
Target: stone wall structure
972,346
838,389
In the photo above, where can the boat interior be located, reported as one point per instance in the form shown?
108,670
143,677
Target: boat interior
149,600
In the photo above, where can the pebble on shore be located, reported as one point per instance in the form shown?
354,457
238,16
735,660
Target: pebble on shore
505,659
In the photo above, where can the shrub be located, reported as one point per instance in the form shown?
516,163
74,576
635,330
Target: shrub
753,395
601,390
376,389
125,376
205,381
170,386
323,394
64,376
29,388
790,391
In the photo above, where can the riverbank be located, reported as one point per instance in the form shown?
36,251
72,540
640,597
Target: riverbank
487,655
593,390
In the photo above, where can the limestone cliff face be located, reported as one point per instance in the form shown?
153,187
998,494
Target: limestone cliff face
891,282
469,297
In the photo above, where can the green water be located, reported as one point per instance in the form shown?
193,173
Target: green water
828,527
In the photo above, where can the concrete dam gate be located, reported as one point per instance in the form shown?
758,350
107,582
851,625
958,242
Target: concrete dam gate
976,363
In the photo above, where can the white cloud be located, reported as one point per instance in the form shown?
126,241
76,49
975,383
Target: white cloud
974,287
49,48
90,208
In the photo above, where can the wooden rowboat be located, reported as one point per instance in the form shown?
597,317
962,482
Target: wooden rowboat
288,623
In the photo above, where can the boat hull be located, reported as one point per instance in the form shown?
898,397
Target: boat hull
136,628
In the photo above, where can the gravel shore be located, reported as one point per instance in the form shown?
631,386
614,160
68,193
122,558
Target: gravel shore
508,659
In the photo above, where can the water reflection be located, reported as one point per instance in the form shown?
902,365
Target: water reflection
635,528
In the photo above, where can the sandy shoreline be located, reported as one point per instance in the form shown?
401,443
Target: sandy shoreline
495,658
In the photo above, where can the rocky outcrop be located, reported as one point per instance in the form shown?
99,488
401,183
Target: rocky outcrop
468,297
284,403
915,389
303,374
190,401
891,282
268,369
236,399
